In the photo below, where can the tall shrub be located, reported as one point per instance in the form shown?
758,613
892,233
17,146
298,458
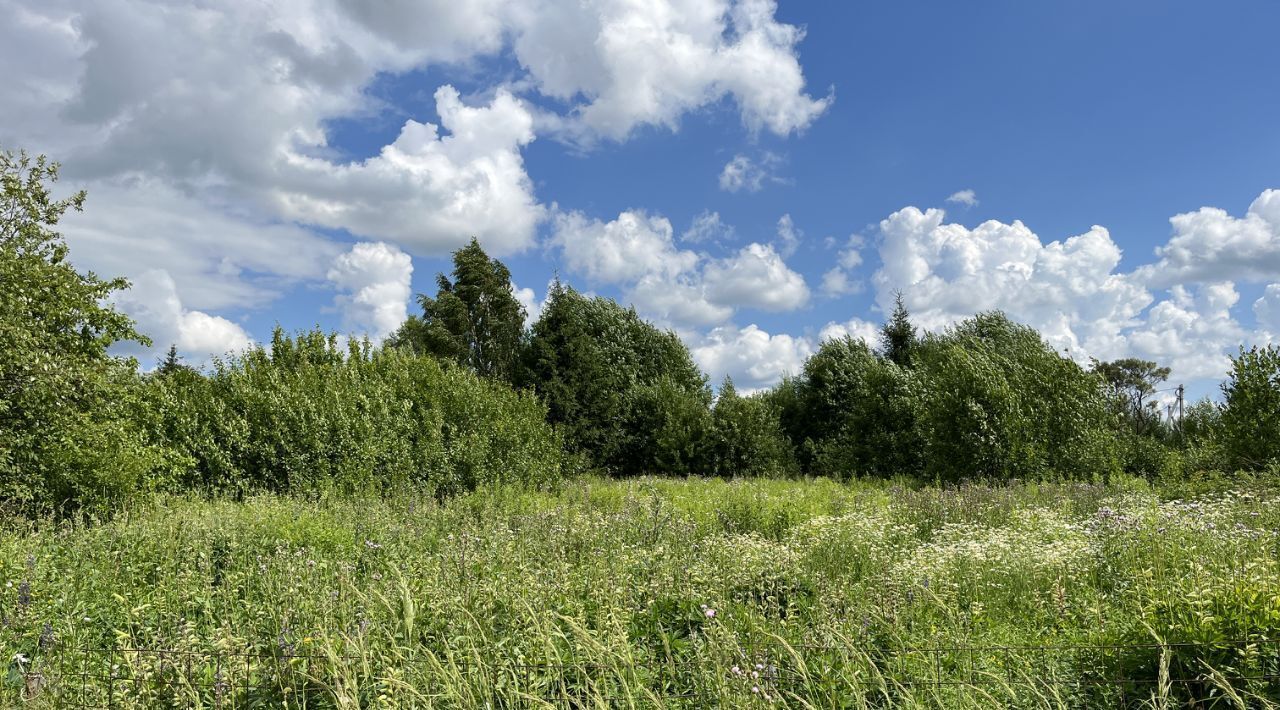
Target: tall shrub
857,412
308,415
1250,422
747,437
68,437
596,365
998,401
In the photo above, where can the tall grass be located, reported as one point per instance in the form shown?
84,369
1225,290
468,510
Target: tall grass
656,593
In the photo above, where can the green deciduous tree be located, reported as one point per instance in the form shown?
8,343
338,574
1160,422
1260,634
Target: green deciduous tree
747,438
1000,402
1131,381
1250,420
591,361
67,436
857,412
474,319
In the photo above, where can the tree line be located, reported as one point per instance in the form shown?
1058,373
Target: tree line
464,395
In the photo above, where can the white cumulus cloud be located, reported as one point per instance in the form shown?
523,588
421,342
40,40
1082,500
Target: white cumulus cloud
744,174
754,358
1068,289
756,277
1210,245
622,250
707,227
152,301
373,280
637,252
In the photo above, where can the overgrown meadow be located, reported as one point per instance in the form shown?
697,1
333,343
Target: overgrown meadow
465,516
656,593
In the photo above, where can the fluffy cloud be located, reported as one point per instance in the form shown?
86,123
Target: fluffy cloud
682,301
852,328
678,287
205,123
1266,310
1191,331
424,190
217,258
1210,245
152,301
752,357
374,284
623,250
634,64
789,236
1068,289
836,282
968,198
756,277
742,174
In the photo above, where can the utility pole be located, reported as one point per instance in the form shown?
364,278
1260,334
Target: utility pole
1181,392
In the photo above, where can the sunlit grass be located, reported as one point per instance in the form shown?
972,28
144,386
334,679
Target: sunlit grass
656,593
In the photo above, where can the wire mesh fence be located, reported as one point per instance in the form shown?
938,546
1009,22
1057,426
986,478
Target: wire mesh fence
139,677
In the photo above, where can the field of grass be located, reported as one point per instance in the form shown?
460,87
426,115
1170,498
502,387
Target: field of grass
652,593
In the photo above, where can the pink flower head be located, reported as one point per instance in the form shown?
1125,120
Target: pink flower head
711,613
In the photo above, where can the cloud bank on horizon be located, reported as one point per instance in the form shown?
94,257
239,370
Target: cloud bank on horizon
219,184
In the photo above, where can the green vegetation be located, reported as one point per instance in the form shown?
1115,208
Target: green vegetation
426,523
621,390
650,592
307,416
474,320
69,428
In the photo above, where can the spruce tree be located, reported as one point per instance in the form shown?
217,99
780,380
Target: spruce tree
898,336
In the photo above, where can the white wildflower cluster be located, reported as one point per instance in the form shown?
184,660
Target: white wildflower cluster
1039,543
854,545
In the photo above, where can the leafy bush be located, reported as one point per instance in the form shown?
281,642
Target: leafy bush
1145,455
747,438
1249,425
999,402
857,411
669,429
587,358
307,416
68,433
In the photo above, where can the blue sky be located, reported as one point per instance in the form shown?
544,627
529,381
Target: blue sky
314,162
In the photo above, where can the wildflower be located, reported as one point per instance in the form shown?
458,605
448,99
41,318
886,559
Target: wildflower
372,545
735,670
710,613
